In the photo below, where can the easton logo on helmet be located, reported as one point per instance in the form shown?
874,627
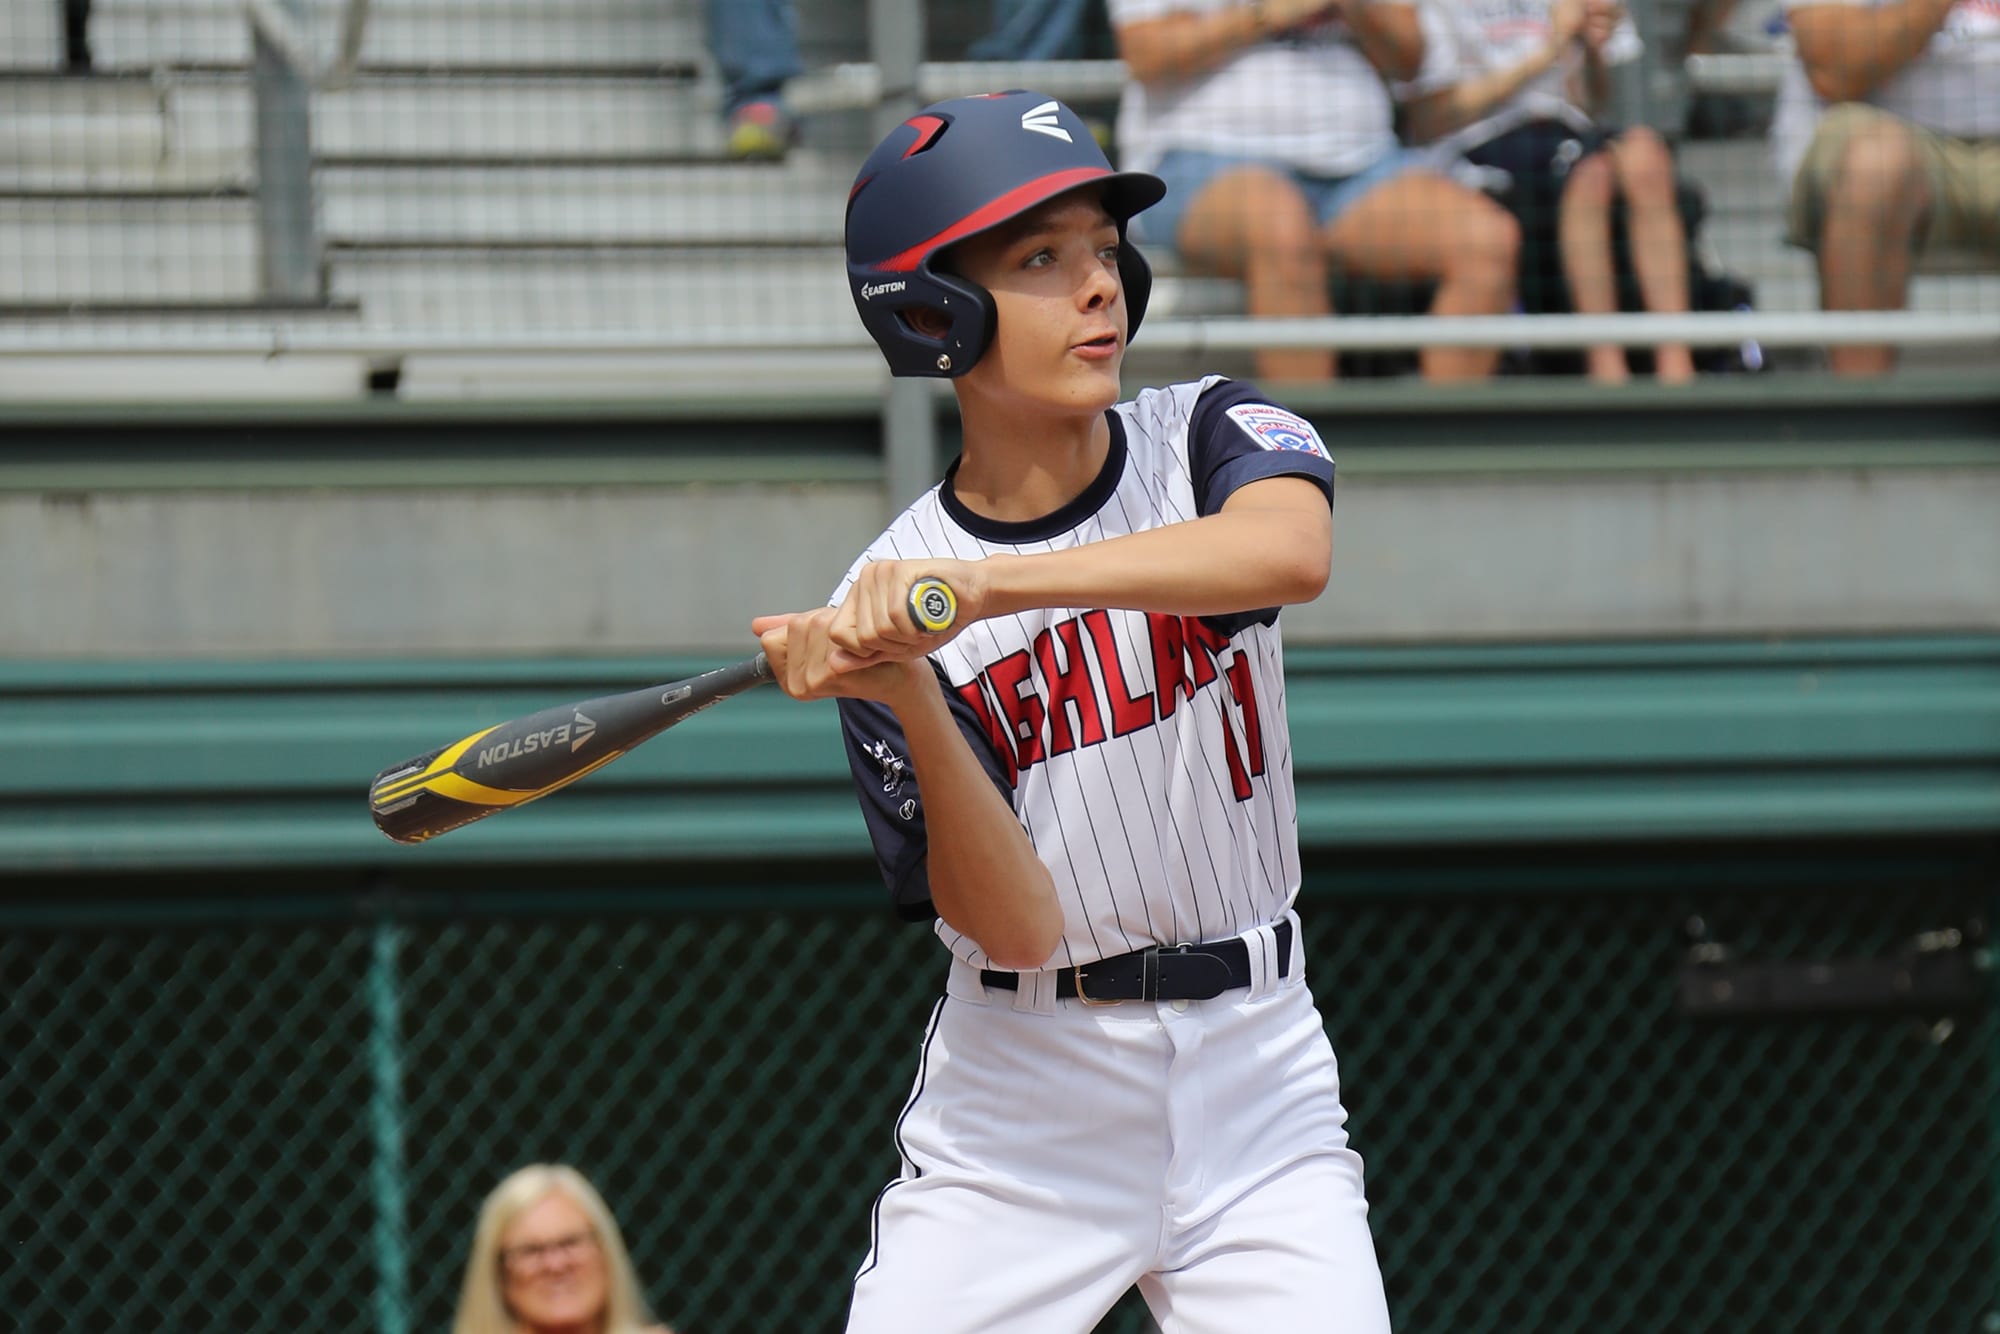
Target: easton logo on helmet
1042,120
869,291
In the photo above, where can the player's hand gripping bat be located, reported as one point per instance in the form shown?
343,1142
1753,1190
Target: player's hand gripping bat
513,763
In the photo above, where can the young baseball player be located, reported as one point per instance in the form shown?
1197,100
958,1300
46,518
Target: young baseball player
1088,784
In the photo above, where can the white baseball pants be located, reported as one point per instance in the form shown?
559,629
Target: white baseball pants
1053,1159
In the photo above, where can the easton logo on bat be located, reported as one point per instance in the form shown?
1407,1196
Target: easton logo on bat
575,733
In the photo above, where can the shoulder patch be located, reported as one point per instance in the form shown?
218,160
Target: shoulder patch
1274,428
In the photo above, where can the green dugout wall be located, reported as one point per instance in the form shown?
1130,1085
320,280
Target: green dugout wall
1658,966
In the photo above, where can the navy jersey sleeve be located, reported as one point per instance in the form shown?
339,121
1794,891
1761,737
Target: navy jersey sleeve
1236,436
891,801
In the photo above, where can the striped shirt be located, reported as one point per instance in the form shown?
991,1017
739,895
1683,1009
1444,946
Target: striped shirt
1147,756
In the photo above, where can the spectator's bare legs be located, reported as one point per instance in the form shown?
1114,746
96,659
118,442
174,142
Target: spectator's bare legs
1659,243
1639,165
1880,196
1583,231
1420,226
1254,224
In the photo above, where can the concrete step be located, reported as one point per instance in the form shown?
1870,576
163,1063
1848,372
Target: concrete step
97,378
54,121
752,295
506,118
139,250
1736,175
1787,278
800,203
136,133
31,35
421,34
730,295
127,251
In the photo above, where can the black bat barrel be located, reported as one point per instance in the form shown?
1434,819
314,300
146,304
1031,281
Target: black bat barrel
530,757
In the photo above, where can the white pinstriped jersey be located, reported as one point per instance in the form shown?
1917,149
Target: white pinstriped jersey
1147,756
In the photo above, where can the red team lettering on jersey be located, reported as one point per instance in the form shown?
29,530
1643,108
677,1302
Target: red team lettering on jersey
1133,747
1035,706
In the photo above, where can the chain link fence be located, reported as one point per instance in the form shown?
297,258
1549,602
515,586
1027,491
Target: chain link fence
281,1113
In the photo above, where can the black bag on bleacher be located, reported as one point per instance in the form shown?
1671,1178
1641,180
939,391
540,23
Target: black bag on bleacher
1526,169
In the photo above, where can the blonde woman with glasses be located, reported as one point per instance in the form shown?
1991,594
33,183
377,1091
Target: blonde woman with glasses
547,1258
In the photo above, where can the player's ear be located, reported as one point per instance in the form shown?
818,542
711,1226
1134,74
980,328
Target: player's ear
928,321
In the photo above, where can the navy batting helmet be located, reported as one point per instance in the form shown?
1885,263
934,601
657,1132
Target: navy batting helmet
954,170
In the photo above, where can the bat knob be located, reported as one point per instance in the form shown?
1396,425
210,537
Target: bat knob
933,606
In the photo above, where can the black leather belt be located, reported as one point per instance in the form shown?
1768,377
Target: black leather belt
1160,972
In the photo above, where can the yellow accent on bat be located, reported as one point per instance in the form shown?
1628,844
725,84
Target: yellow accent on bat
460,788
933,606
407,784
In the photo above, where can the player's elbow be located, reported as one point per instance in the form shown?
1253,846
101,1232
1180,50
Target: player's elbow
1305,579
1024,959
1027,944
1028,937
1304,564
1015,918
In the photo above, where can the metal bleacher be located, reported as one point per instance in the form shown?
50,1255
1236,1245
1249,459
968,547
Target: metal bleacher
493,164
534,167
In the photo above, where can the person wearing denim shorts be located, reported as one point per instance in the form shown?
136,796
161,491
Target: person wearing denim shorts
1272,128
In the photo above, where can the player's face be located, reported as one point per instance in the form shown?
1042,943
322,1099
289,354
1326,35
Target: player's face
551,1270
1059,338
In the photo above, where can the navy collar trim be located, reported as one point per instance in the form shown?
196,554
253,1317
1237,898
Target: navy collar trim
1087,502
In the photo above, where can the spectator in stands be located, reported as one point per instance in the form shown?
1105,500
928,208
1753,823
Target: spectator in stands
1269,121
755,42
1513,86
1888,134
547,1258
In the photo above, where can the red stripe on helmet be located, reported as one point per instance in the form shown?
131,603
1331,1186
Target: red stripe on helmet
927,128
1006,206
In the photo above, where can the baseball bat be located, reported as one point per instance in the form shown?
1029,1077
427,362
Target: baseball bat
513,763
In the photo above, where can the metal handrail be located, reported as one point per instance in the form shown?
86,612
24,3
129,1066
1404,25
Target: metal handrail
858,84
1739,72
1232,333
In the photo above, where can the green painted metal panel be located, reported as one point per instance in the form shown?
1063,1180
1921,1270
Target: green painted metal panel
244,765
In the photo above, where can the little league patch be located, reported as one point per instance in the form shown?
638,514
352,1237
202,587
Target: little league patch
1275,428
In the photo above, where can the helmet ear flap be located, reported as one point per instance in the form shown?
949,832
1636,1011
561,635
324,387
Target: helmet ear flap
973,317
886,302
1136,276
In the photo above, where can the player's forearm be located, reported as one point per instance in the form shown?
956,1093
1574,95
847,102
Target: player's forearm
1238,560
1437,114
985,877
1849,51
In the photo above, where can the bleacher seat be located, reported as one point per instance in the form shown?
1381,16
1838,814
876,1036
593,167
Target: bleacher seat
31,36
512,166
421,35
